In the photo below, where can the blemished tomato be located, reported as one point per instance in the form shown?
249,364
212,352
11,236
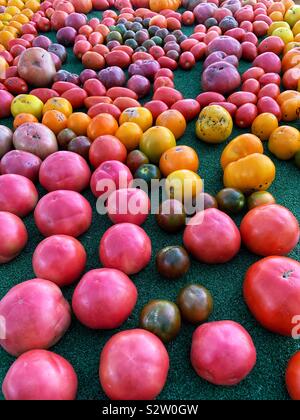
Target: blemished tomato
214,124
292,377
58,104
223,353
63,213
141,376
195,303
162,318
212,237
38,307
105,148
60,259
18,195
40,375
183,184
139,115
64,171
272,293
171,216
172,262
55,120
13,236
78,123
284,142
260,198
104,299
270,230
156,141
179,157
125,247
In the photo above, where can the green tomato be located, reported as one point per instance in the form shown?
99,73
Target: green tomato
148,172
231,200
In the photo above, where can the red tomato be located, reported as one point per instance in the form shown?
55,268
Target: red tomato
249,51
241,98
272,293
61,87
38,307
237,33
22,163
118,58
291,77
167,95
250,37
18,195
271,90
44,94
40,375
63,213
269,62
251,85
76,97
60,259
212,237
292,377
267,104
125,247
268,78
124,103
231,108
189,108
223,353
166,62
164,73
107,148
141,376
270,230
94,100
156,108
272,44
163,81
245,115
104,299
187,60
128,205
13,236
104,108
253,73
199,50
6,99
16,85
207,98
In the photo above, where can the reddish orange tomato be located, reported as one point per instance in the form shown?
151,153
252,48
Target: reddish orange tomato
78,123
179,157
102,124
174,121
24,118
55,120
292,377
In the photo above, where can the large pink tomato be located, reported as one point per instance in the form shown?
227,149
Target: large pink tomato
222,353
60,259
65,171
125,247
104,299
134,365
18,195
129,205
220,77
13,236
21,163
110,176
212,237
33,315
63,213
40,375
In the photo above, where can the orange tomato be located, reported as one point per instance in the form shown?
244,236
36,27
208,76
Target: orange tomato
139,115
264,125
291,59
130,135
178,157
102,124
174,121
284,142
276,7
286,95
58,104
78,123
291,109
24,118
291,77
55,120
276,16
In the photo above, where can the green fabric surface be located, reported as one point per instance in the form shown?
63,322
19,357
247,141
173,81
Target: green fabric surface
82,347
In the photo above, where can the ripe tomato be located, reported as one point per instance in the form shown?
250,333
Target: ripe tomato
270,230
125,247
40,375
272,293
223,353
13,236
178,157
106,148
101,125
189,108
60,259
63,213
104,299
245,115
141,376
21,163
292,377
38,307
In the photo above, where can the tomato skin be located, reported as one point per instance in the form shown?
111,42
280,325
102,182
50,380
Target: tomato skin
104,299
13,236
60,259
63,213
272,293
292,377
103,108
156,108
271,90
253,73
206,98
76,97
140,377
270,230
222,353
212,237
40,375
251,85
267,104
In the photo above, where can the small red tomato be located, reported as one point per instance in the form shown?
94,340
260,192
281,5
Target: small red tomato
13,236
187,44
81,47
167,95
189,108
164,73
61,87
245,115
163,81
292,377
249,51
251,85
118,58
250,37
199,50
157,52
207,98
106,148
76,97
241,98
253,73
124,103
166,62
119,92
271,90
268,78
237,33
104,108
187,60
16,85
188,18
272,44
231,108
44,94
156,108
268,104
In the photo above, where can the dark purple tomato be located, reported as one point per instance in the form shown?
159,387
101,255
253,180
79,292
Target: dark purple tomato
171,216
80,145
64,137
195,303
135,159
173,262
231,200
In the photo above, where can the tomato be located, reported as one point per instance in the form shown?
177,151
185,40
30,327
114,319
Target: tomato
183,185
156,108
138,115
212,237
284,142
272,44
231,200
118,58
172,262
167,95
135,159
141,376
271,90
38,307
207,201
189,108
171,216
249,51
260,198
267,104
264,125
195,303
174,121
80,145
292,377
60,259
40,375
18,195
270,230
268,78
106,148
156,141
291,77
253,73
13,236
63,213
214,124
179,157
119,92
161,318
222,353
251,85
128,205
104,299
206,98
20,163
125,247
242,98
271,291
102,124
94,87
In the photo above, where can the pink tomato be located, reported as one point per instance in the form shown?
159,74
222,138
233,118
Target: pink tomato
13,236
128,205
21,163
106,148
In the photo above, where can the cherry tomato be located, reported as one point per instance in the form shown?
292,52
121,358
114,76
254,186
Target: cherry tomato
251,85
171,216
245,115
292,377
135,159
260,198
242,98
80,145
268,78
189,108
272,293
13,236
271,90
148,173
172,262
195,303
230,200
267,104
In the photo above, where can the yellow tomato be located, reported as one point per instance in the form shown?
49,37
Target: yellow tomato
17,3
284,142
264,125
3,67
5,37
139,115
214,124
292,15
285,34
183,185
276,16
58,104
130,134
21,18
5,17
12,10
241,146
28,104
276,25
27,12
32,5
291,109
296,28
156,141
